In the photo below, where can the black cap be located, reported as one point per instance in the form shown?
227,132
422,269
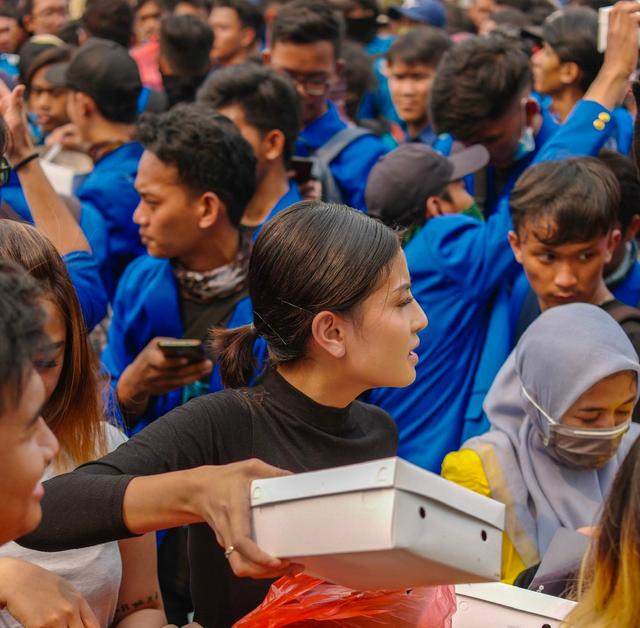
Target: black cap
32,49
105,71
402,180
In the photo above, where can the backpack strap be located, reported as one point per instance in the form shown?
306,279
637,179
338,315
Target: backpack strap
623,313
336,144
323,156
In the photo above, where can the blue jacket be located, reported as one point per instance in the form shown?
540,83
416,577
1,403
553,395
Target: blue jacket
147,305
628,290
91,222
458,267
109,188
351,167
85,277
291,196
493,195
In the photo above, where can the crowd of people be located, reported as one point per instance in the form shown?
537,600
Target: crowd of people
246,238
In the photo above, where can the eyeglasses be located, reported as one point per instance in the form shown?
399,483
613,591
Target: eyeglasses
312,85
5,171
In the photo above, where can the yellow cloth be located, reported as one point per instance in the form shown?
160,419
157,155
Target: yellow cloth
465,468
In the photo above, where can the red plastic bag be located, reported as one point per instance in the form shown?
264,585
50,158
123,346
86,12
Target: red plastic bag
302,601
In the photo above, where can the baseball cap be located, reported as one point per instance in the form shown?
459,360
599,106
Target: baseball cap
32,49
426,11
104,70
402,180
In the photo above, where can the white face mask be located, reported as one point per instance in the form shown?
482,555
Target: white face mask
581,448
526,144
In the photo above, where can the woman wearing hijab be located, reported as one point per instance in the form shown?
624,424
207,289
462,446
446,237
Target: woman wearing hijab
560,412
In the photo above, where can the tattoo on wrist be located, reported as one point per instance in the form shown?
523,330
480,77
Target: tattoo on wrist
126,608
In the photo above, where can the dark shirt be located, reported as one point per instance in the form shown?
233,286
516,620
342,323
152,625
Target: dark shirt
273,421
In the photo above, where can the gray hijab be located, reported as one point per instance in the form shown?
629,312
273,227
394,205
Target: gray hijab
562,354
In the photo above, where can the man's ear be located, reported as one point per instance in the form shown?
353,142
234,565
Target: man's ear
339,67
612,243
84,104
516,246
633,228
209,207
328,333
27,22
569,72
433,206
273,144
248,37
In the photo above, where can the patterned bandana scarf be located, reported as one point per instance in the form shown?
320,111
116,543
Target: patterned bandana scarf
218,283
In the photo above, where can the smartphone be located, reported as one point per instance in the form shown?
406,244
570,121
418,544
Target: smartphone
301,167
603,28
189,348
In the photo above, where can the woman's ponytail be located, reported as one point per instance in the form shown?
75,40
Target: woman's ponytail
232,349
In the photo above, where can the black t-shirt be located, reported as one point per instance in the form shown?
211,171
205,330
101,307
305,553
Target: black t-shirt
272,421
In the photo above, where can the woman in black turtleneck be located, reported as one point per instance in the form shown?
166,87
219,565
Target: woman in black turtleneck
331,295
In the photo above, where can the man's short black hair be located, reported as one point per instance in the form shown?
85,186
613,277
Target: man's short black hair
477,80
21,331
308,22
249,14
573,35
185,42
578,197
627,175
9,10
424,45
207,150
109,19
267,99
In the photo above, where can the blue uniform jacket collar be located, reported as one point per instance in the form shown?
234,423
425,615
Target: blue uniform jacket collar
318,132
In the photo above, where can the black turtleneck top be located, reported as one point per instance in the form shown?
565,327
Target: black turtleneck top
272,421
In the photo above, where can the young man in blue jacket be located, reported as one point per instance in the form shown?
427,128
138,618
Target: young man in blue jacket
266,109
104,86
196,176
458,266
306,42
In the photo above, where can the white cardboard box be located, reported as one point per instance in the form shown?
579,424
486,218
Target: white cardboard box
503,606
385,524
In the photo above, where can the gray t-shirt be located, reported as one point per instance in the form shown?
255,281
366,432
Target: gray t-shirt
94,571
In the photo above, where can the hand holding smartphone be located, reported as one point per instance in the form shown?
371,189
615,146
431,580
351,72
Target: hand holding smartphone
189,348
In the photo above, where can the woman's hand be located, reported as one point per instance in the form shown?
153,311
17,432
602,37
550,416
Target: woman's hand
222,499
37,598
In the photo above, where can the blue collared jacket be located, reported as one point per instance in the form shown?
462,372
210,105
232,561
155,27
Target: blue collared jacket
291,196
109,188
352,166
85,277
147,305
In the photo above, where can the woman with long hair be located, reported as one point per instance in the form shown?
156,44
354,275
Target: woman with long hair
331,296
110,576
610,574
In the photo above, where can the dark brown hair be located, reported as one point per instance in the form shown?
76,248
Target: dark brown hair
477,80
21,332
579,197
311,257
74,410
